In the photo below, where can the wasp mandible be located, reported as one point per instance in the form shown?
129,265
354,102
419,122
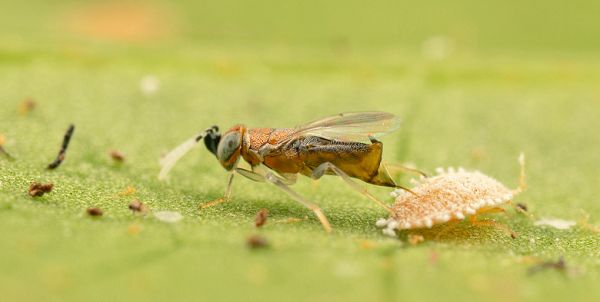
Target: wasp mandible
335,145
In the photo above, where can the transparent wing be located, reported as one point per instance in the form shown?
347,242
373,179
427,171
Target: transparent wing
351,126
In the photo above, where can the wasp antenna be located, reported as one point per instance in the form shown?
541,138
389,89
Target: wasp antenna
168,161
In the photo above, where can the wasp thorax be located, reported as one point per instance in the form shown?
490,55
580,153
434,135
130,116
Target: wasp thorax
228,150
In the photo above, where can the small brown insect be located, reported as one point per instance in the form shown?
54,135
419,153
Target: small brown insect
117,156
257,241
335,145
38,189
261,217
63,150
137,206
94,212
451,195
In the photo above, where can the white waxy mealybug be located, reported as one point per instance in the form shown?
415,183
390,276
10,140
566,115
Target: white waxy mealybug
453,194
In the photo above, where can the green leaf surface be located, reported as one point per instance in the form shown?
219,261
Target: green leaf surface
476,100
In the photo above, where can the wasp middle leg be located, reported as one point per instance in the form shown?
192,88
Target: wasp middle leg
282,183
270,177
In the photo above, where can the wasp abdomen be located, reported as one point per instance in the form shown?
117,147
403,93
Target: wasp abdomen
356,159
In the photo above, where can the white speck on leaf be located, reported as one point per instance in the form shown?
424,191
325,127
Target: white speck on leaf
149,85
438,48
168,216
560,224
347,270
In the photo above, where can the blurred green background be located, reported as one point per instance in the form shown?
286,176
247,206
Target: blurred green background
475,26
474,82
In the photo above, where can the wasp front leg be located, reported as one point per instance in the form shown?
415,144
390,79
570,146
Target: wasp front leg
221,199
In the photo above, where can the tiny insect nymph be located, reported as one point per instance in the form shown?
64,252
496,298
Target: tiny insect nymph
451,195
344,145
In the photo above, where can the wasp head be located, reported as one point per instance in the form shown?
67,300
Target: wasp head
212,138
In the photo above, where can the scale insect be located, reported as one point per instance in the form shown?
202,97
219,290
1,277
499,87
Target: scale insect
344,145
452,195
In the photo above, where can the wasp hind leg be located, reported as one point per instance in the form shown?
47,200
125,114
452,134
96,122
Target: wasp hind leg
221,199
397,168
324,167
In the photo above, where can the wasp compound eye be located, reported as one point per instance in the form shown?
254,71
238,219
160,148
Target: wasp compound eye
226,148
